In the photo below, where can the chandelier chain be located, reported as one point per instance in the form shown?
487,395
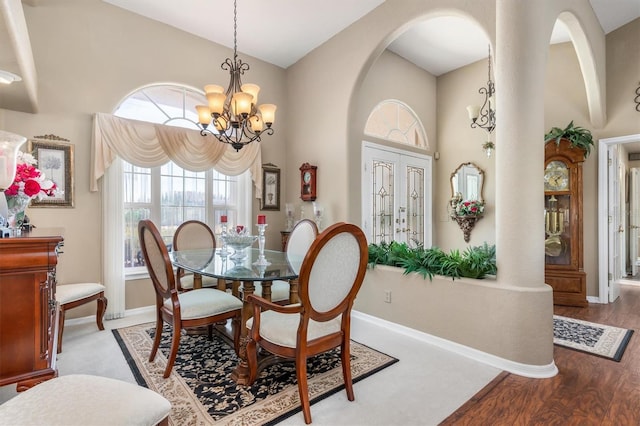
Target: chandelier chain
235,30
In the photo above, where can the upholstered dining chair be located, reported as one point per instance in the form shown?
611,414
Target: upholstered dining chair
71,296
330,277
192,235
300,239
81,399
195,308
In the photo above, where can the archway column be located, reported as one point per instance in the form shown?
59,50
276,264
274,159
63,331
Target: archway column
521,54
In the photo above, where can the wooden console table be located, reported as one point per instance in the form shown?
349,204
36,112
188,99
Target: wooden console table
28,310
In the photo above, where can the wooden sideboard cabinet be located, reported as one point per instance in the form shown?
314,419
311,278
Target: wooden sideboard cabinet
28,310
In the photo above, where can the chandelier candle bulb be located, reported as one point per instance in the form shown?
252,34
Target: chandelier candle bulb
262,219
216,104
253,90
268,112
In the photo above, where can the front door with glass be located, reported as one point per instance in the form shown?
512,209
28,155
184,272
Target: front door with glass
396,196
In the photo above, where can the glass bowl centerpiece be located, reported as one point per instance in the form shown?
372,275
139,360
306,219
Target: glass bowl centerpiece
239,239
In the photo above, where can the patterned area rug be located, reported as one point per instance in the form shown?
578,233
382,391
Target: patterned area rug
202,393
602,340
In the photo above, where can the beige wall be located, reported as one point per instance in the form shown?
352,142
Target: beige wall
393,77
458,143
89,55
623,78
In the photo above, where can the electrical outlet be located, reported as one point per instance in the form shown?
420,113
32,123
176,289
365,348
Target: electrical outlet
387,296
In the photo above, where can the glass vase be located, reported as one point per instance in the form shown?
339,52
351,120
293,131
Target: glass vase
9,145
17,204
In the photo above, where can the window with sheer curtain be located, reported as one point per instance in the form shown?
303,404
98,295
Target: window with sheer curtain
169,194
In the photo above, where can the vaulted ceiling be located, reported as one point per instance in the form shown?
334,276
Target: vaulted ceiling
439,45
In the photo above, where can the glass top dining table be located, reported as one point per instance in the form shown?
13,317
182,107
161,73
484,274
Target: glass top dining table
211,263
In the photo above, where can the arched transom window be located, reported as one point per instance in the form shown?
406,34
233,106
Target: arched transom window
394,121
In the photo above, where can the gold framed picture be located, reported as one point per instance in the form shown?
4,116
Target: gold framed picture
55,159
270,187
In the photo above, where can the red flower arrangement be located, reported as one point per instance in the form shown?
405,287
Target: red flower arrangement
470,208
30,181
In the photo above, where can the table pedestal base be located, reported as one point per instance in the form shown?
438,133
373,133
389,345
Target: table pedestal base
240,374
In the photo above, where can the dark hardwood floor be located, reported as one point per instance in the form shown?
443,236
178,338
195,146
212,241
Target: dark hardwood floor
588,390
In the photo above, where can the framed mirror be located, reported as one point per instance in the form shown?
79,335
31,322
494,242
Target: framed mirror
467,182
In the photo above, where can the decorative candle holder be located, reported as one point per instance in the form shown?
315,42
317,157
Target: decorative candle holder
262,261
223,237
317,214
290,220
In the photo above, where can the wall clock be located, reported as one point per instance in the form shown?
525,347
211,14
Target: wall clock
308,175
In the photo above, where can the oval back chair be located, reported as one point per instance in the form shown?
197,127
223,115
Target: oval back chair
192,235
300,239
195,308
330,277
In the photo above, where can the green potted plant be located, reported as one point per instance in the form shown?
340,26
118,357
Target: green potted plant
577,136
474,262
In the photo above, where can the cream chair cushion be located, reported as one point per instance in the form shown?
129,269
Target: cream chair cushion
81,400
282,329
72,292
205,302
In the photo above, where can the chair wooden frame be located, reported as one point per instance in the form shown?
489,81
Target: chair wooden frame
164,283
306,348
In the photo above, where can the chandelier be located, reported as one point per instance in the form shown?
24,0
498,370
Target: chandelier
234,114
484,117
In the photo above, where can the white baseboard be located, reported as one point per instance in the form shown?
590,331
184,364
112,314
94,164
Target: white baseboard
525,370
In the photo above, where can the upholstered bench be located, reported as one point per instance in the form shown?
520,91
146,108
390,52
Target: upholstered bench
73,295
82,400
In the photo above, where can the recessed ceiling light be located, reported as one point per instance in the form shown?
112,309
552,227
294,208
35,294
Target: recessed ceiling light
7,77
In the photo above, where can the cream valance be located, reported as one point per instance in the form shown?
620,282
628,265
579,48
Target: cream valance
149,145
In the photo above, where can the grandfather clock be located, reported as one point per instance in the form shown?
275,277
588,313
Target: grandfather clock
564,248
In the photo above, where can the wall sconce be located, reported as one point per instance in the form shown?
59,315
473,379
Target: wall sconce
484,117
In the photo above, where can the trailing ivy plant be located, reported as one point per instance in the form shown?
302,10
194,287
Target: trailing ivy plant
474,262
578,136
